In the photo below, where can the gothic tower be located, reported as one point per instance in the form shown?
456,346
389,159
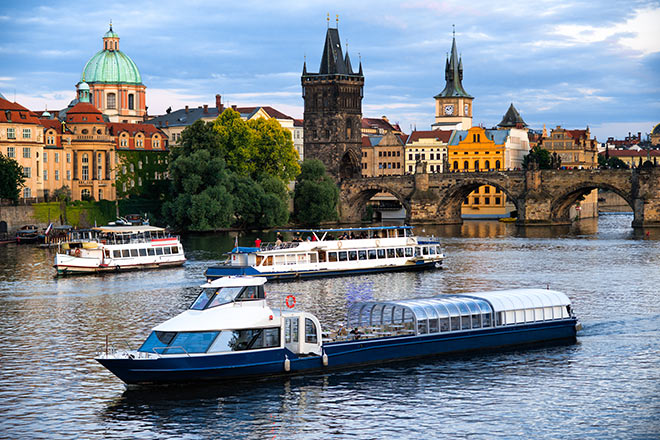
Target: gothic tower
453,106
333,111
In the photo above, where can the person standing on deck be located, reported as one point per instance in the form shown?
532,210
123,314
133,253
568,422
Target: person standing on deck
257,243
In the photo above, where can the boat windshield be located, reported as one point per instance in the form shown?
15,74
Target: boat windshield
213,297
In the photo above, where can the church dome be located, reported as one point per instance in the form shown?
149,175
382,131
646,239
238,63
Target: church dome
656,130
110,65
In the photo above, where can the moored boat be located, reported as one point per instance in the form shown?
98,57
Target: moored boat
331,252
231,332
27,234
116,248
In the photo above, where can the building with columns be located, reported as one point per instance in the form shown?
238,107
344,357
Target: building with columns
115,83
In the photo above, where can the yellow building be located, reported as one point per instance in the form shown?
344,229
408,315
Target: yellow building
655,136
575,148
426,146
21,139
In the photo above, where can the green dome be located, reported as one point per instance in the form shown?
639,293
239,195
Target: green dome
111,67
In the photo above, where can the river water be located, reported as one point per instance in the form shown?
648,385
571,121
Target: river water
605,386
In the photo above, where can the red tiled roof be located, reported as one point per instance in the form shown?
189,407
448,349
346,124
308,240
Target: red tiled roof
631,153
577,134
51,123
17,113
365,141
270,111
440,135
132,129
84,112
298,122
377,123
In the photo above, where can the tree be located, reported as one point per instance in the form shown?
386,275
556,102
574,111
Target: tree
11,179
316,195
236,142
611,163
274,153
539,157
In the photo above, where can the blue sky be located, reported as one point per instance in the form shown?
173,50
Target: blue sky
573,64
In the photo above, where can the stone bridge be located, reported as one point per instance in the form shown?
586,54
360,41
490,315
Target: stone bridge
541,197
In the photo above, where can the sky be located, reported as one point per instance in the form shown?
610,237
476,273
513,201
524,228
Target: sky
568,63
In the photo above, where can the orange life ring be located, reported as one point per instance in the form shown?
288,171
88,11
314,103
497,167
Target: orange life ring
290,301
77,252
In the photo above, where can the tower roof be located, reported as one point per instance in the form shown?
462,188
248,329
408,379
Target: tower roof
512,119
453,76
333,61
111,66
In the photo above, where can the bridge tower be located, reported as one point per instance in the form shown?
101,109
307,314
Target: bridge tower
453,106
333,111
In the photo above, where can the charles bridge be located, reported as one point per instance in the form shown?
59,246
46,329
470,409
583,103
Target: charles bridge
541,197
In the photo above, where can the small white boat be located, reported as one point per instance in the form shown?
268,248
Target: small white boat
116,248
331,252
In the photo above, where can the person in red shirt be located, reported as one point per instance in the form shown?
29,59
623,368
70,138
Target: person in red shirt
257,242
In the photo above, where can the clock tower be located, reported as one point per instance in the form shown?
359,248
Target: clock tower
453,106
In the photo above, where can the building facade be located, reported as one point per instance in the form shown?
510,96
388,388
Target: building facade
429,148
333,111
453,105
382,155
575,148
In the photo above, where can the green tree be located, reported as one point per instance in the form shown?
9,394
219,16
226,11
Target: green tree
11,179
235,142
540,156
273,152
611,163
259,205
316,195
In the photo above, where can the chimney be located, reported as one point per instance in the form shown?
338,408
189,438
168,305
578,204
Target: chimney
218,103
639,136
186,109
167,123
233,107
206,108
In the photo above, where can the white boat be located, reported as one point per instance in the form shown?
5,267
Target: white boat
331,252
115,248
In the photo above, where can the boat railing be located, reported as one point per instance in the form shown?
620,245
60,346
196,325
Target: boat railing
271,246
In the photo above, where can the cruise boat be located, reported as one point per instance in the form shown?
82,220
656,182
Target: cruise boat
117,248
231,332
329,252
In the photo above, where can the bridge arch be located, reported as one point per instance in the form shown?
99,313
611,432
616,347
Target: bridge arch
562,203
456,194
356,204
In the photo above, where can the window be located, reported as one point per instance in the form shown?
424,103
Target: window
11,133
85,193
116,254
134,253
50,140
487,165
131,101
486,200
57,174
27,172
159,251
497,164
139,142
111,100
125,253
27,153
455,165
291,330
381,253
68,157
311,335
372,254
343,256
497,200
11,152
179,343
68,174
27,193
476,165
390,253
27,133
45,174
332,257
85,167
45,156
362,255
466,165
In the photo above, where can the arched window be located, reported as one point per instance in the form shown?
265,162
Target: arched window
85,193
455,165
111,100
487,165
476,165
497,164
466,165
131,101
85,167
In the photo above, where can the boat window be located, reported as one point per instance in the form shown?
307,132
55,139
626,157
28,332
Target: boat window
250,293
311,335
387,314
444,324
372,254
312,258
466,323
432,250
498,318
291,330
438,250
279,259
425,250
116,254
362,255
520,316
178,343
455,323
290,259
107,253
268,261
260,258
485,318
390,253
418,252
409,252
302,258
332,257
143,252
399,252
151,251
538,314
476,321
422,327
175,249
249,339
433,326
134,253
343,256
381,253
159,251
321,256
352,255
125,253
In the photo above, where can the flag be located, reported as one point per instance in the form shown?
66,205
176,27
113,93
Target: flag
50,226
236,242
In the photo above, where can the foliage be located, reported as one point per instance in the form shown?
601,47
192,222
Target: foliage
236,142
62,194
611,163
11,179
142,174
538,156
316,195
274,153
260,205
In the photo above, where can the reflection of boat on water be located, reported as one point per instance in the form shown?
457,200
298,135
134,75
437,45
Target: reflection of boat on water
230,332
115,248
507,219
354,251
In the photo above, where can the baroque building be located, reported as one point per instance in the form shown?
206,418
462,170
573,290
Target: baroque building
383,155
333,111
453,105
428,147
115,83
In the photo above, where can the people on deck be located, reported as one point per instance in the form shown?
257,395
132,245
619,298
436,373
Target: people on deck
257,243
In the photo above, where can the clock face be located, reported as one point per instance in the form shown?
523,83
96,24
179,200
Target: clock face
449,109
467,109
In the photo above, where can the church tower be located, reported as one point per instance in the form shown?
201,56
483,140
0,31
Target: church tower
333,111
453,106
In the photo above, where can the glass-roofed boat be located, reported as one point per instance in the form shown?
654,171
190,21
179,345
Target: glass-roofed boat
331,252
231,332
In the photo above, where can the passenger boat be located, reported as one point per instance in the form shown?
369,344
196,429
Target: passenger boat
317,253
231,332
116,248
27,234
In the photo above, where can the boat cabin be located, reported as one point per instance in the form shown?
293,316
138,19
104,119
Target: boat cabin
229,289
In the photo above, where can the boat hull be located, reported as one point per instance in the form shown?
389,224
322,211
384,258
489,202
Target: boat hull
215,272
73,269
343,354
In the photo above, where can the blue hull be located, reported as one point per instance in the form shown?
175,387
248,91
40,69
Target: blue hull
340,354
215,272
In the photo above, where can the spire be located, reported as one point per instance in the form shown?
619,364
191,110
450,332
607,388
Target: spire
305,67
347,61
332,61
512,119
453,74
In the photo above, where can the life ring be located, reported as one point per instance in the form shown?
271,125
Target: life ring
377,243
339,244
290,301
77,252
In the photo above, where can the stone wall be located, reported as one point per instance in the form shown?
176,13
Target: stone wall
17,216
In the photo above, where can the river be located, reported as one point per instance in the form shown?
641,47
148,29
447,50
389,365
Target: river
605,386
